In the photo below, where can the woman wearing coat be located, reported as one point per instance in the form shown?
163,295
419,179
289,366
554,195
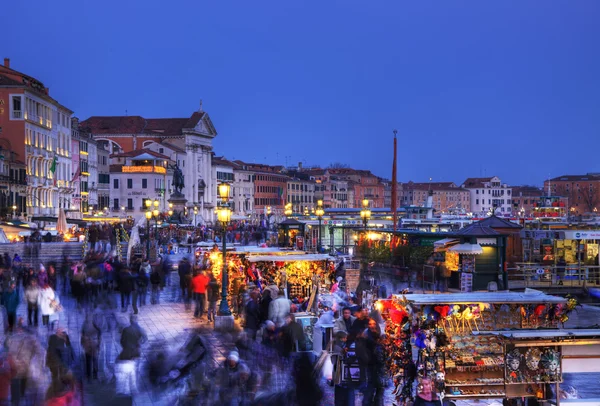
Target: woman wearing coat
48,305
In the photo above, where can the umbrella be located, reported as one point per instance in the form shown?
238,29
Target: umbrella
61,222
134,240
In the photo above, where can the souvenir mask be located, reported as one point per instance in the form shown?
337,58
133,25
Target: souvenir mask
551,361
513,359
532,358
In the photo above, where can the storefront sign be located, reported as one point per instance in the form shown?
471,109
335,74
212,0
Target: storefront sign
543,234
428,242
582,235
343,223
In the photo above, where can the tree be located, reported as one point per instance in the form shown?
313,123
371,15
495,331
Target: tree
589,197
337,165
568,191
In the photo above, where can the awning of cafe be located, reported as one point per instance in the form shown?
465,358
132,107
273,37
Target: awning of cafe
55,219
442,245
467,249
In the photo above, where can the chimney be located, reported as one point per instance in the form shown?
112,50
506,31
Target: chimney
7,63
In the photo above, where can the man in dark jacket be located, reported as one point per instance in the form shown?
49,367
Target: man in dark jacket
132,338
59,355
372,364
90,342
155,280
252,315
213,296
185,278
291,333
126,286
265,301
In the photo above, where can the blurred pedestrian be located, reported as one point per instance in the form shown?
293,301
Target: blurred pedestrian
143,281
32,296
11,299
7,372
213,296
185,277
199,285
292,336
252,315
91,336
59,356
155,280
279,309
126,286
132,338
49,304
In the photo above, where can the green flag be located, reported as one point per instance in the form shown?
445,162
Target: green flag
53,166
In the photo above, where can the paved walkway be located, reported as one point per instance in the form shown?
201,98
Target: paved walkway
168,326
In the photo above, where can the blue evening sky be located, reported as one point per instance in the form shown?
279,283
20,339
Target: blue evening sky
507,88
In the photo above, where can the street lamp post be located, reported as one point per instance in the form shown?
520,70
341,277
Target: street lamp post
268,217
319,212
14,208
224,216
148,217
195,214
365,213
288,210
331,239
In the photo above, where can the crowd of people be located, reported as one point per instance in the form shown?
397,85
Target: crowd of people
271,363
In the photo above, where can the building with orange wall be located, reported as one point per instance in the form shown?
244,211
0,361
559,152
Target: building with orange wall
37,129
582,192
270,186
446,196
364,184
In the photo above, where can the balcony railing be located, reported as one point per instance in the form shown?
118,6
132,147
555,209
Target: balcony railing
144,169
17,114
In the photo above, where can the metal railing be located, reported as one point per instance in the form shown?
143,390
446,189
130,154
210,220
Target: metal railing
536,275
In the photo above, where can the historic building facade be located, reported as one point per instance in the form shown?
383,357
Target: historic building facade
191,137
37,129
489,195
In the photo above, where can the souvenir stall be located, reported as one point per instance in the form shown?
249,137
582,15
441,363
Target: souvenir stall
459,353
293,272
300,276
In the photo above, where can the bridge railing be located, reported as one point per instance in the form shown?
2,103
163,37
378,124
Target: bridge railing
536,275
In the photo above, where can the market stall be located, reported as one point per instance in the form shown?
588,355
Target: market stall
461,355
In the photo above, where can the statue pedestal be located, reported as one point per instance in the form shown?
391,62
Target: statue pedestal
179,201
